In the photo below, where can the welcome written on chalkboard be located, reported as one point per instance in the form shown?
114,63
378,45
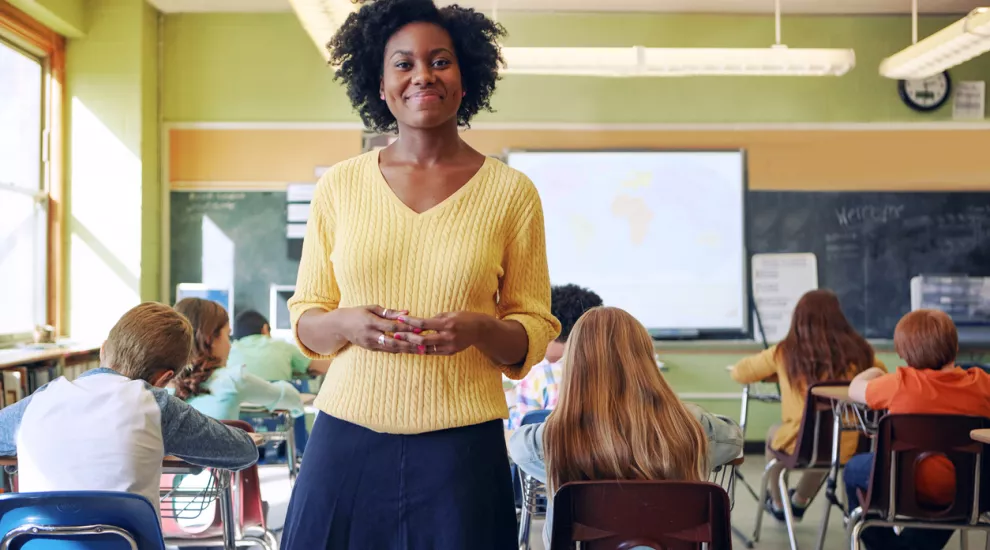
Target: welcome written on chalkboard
870,245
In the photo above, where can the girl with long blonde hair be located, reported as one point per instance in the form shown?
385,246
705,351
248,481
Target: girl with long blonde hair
617,418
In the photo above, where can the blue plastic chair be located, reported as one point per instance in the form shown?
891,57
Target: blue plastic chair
78,520
535,417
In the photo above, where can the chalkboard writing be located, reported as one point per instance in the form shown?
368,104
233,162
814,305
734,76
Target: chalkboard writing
869,245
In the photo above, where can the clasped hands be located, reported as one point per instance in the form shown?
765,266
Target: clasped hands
394,331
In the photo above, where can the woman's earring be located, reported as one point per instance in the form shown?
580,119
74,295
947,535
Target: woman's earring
383,97
463,94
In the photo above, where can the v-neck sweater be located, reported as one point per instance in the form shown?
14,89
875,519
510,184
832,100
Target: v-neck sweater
483,249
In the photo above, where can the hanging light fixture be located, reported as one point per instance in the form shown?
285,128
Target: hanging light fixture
639,61
951,46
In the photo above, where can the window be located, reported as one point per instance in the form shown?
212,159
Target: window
23,203
29,181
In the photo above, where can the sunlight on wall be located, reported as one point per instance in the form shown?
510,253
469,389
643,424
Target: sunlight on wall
218,257
105,226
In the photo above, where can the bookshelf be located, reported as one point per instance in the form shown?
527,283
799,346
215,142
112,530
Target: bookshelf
22,371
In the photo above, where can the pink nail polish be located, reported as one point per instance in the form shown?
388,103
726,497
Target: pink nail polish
422,349
417,330
402,319
397,336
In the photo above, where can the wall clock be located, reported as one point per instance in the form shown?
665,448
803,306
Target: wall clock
926,94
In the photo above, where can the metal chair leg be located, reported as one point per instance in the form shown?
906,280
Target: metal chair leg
258,541
290,449
524,524
788,512
764,488
851,522
856,532
271,540
526,516
963,539
823,528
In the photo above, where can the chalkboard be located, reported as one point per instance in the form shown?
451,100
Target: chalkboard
869,245
251,225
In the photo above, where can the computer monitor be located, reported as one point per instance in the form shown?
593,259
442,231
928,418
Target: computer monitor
281,324
222,296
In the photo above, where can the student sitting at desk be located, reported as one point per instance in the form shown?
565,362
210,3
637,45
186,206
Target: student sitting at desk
109,429
538,391
820,346
272,360
617,418
218,390
266,357
930,384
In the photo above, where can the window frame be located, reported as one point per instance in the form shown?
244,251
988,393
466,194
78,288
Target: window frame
23,33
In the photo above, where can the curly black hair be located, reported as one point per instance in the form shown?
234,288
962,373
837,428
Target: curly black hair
358,49
568,303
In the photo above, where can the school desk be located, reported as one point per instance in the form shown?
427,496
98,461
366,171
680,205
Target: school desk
983,436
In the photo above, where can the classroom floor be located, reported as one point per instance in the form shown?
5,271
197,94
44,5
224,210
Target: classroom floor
275,490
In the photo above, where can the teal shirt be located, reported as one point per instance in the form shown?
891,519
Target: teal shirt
229,387
268,358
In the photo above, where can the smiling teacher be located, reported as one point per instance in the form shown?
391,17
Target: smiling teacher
424,278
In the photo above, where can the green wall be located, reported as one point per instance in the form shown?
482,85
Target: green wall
66,17
263,67
151,198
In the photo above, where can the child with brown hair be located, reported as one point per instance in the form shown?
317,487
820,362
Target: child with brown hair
215,388
109,429
821,346
930,384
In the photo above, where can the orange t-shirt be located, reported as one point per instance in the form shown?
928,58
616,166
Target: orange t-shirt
914,391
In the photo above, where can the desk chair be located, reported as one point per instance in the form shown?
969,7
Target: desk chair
534,494
277,427
761,392
891,499
78,520
662,515
251,528
812,453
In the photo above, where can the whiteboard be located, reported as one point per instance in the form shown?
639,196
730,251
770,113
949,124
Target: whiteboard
779,281
660,234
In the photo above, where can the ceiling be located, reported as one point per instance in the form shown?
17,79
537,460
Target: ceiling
720,6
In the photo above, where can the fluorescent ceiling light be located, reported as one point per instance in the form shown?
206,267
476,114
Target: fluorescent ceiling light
573,61
322,18
778,60
951,46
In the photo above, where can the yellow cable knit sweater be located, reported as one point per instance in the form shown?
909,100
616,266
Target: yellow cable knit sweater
483,250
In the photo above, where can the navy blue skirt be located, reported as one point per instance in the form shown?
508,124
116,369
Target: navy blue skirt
363,490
